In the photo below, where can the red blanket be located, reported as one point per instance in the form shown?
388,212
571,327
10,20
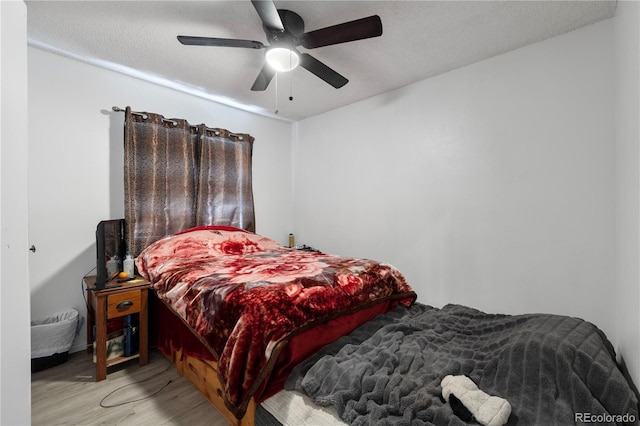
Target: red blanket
245,295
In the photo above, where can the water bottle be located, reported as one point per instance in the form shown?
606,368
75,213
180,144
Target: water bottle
129,266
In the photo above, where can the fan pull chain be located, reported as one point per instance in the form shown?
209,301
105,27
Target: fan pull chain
291,86
290,77
276,111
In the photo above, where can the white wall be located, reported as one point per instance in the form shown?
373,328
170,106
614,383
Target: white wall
76,168
627,48
490,186
15,343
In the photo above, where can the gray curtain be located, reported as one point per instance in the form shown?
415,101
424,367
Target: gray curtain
178,176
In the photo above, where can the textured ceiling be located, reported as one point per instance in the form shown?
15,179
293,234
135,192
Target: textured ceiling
420,39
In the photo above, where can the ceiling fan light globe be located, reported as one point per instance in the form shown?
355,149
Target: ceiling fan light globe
282,59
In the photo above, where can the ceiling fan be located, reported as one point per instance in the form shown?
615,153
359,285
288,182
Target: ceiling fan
285,31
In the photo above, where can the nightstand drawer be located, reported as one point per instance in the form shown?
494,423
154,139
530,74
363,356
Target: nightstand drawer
121,304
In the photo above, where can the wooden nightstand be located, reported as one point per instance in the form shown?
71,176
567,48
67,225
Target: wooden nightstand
127,298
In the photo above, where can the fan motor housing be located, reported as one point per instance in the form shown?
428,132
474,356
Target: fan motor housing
293,28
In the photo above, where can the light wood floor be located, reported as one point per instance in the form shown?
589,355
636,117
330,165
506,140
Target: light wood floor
68,394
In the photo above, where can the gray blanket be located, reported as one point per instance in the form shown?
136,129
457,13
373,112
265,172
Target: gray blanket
552,369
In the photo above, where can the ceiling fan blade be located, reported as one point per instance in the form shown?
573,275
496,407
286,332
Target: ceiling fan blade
263,79
222,42
268,14
322,71
342,33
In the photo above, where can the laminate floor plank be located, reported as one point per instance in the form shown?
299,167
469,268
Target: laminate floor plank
155,394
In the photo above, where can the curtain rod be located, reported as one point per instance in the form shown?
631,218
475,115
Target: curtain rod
118,109
215,131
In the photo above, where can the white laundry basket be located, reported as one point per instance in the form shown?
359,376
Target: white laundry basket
51,339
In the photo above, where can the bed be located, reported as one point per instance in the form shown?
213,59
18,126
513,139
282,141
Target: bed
552,369
238,310
243,317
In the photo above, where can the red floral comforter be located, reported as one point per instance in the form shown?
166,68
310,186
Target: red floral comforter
245,294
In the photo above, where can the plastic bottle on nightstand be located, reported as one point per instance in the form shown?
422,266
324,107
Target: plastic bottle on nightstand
128,266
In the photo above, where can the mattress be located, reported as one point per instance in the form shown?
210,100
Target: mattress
292,408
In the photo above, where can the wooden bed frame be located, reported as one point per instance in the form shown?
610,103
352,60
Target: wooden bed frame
204,376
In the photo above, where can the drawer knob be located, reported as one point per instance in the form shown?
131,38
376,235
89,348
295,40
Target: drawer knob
124,305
